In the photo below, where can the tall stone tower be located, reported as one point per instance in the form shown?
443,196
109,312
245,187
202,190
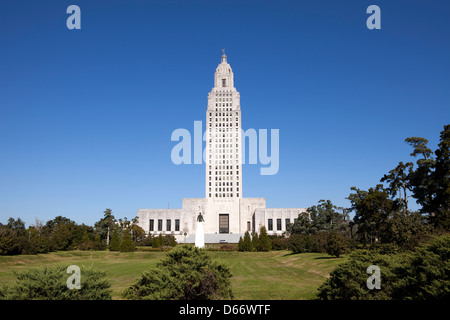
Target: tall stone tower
223,151
223,137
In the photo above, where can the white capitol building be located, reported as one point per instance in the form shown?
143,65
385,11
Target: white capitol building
226,212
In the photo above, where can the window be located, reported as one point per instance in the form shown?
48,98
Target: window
152,225
248,226
159,224
288,221
224,83
279,224
177,223
270,225
168,225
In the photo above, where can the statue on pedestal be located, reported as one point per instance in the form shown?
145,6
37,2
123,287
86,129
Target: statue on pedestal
200,232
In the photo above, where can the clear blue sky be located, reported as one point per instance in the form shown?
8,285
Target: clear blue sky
86,115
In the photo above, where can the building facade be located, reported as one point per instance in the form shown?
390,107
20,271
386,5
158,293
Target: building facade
228,215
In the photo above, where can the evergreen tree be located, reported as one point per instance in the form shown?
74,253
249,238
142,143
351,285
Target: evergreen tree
114,244
241,244
172,241
264,240
255,241
127,245
247,245
186,273
161,240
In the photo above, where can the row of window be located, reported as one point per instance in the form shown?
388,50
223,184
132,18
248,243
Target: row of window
225,184
224,177
224,125
224,172
270,224
168,225
224,195
220,113
224,167
224,130
220,189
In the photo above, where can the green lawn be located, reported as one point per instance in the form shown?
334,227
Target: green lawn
256,275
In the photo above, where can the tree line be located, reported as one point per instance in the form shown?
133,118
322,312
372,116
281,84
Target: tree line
382,216
62,233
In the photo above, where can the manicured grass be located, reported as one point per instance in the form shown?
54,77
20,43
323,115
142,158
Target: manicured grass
256,275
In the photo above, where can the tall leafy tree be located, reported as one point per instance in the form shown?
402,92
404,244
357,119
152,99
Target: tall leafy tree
399,180
106,224
441,201
373,209
430,180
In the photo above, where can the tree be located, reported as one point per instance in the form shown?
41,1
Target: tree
255,241
302,225
430,181
264,240
247,243
137,233
63,233
441,179
241,244
8,242
105,225
325,217
336,244
373,209
399,179
114,244
186,273
172,241
157,241
86,243
127,245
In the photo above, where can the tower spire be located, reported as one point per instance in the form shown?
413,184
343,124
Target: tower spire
224,56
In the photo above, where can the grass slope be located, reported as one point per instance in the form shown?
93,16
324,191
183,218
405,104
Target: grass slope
256,275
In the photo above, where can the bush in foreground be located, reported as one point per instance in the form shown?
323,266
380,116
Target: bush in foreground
50,283
186,273
418,275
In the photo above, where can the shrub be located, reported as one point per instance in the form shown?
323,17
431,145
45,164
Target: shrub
114,244
422,274
336,244
227,247
427,273
279,243
349,280
301,243
186,273
8,242
127,245
50,283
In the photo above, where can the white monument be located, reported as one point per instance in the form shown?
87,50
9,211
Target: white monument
200,232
